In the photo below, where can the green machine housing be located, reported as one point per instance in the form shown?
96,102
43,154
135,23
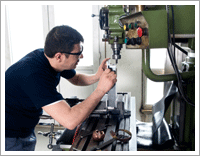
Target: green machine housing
150,28
153,19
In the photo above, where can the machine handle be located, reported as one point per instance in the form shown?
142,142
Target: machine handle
160,78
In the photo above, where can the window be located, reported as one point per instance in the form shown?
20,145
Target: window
26,29
29,23
79,18
155,90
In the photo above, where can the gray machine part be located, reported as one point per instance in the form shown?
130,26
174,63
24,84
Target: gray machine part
112,103
104,109
157,134
112,94
160,128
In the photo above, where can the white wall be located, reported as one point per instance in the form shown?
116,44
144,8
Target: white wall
82,92
7,46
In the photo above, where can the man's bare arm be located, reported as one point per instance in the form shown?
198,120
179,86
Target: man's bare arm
70,117
85,80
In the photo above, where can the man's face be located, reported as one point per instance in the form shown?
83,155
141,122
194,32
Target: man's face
71,61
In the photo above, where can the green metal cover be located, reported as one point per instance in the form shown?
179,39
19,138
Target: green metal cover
184,18
184,23
157,22
115,12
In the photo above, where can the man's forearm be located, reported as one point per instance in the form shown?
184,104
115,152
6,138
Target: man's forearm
85,80
71,117
85,108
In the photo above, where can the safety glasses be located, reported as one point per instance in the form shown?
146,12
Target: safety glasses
79,53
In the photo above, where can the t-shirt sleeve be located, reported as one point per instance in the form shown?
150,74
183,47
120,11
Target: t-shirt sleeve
41,90
68,74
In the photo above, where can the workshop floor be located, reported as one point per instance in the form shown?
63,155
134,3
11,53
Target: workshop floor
43,141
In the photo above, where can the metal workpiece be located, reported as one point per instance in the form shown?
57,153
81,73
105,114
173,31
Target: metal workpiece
113,107
112,66
112,97
112,93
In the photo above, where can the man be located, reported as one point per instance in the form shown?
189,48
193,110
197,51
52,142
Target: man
30,87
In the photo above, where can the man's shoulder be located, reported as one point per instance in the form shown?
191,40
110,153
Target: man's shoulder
32,62
38,54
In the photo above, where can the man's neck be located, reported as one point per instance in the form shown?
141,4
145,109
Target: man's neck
53,63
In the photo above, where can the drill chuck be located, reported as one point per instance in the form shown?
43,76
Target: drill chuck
116,47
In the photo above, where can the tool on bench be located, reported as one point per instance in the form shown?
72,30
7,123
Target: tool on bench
116,136
51,135
87,134
98,135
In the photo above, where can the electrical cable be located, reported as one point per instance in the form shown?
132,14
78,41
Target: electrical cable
181,49
173,30
172,58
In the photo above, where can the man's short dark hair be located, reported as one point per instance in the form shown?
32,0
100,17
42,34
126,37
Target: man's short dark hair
61,39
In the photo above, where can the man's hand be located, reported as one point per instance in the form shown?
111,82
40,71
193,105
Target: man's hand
85,80
107,81
102,68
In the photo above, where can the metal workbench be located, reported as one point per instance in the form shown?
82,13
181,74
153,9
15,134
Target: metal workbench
96,122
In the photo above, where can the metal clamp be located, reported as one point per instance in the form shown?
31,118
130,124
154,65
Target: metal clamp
123,139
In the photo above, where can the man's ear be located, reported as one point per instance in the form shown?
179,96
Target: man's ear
58,56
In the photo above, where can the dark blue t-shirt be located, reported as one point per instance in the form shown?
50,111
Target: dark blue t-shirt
30,84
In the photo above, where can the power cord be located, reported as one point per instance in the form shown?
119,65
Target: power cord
172,59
